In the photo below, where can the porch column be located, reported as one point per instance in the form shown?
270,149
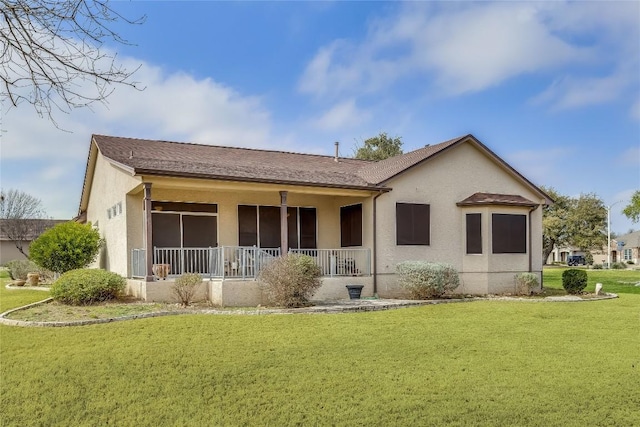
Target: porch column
284,231
148,240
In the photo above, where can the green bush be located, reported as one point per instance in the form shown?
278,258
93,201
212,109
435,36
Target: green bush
291,280
597,266
18,268
426,280
574,281
185,287
630,262
526,283
588,258
618,266
67,246
87,286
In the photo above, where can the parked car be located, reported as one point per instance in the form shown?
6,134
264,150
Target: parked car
576,260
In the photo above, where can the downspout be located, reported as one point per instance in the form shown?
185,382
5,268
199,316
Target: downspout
375,246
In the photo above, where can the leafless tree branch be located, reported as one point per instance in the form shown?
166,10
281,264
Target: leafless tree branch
53,54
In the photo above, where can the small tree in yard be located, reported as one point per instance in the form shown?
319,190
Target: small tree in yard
66,246
291,280
574,281
185,288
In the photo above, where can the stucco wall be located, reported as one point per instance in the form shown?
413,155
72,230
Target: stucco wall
108,188
442,182
9,252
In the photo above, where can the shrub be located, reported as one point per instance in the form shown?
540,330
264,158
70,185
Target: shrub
67,246
19,268
87,286
630,262
588,258
525,283
185,287
574,281
291,280
597,266
426,280
618,266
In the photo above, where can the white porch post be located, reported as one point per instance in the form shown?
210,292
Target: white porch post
148,240
284,231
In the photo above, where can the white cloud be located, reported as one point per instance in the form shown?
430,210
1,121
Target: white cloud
456,48
344,114
49,163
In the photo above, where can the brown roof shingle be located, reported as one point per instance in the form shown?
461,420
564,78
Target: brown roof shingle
208,161
496,199
379,172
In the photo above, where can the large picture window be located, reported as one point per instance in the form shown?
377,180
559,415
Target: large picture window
474,233
351,225
509,234
412,224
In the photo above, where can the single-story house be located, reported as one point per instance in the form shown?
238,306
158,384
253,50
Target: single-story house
165,208
28,229
628,246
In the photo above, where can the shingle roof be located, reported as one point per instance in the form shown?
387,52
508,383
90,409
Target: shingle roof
208,161
379,172
496,199
631,240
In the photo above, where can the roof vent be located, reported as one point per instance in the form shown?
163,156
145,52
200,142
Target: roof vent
337,150
427,145
131,154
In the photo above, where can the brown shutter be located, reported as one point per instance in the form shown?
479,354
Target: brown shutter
351,225
413,224
509,234
247,225
474,233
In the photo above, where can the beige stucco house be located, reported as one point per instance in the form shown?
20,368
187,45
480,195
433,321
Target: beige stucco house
165,208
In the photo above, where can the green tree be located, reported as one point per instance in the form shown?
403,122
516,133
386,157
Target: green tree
579,222
379,147
632,211
587,222
554,222
67,246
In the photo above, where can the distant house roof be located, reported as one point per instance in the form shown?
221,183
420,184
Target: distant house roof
496,199
631,240
35,227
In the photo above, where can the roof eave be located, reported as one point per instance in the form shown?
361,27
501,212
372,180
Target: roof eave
153,172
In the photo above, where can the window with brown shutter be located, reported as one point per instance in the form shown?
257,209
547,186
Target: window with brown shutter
474,233
351,225
412,224
509,234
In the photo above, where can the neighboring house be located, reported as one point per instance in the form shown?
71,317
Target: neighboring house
562,254
628,246
8,249
224,212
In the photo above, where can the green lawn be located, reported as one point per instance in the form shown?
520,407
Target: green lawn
615,281
494,363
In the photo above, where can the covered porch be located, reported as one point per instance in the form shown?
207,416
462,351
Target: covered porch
228,231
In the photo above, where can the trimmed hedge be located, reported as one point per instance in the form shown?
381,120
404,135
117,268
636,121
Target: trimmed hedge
574,281
87,286
426,280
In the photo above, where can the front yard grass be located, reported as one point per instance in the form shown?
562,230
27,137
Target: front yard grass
497,363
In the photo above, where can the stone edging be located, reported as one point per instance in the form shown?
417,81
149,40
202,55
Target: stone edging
31,288
374,305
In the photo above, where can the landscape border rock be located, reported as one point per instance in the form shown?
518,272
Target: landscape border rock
329,307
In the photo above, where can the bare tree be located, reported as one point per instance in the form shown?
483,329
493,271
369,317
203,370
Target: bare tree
22,217
53,56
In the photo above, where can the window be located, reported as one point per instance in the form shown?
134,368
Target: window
474,233
260,226
412,224
627,254
351,225
509,234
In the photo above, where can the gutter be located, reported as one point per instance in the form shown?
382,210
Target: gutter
374,269
531,244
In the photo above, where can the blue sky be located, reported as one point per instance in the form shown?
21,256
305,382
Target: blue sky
551,87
